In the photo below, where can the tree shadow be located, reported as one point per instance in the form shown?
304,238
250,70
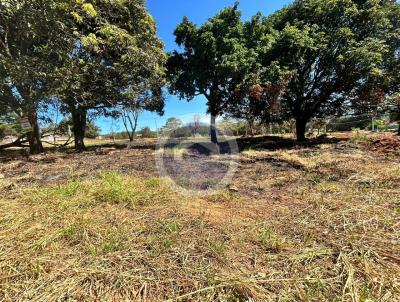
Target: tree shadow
205,148
273,143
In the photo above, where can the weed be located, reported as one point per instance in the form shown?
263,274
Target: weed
280,182
216,247
224,195
69,189
270,241
112,189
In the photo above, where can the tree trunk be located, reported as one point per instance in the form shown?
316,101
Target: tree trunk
398,130
34,138
251,128
79,127
213,130
301,129
127,130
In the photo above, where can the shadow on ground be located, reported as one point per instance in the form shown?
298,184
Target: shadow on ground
205,148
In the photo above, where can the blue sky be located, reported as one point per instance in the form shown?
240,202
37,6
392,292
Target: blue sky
167,15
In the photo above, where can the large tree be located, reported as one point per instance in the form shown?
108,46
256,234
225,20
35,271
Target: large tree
212,63
392,65
256,98
115,52
333,51
29,33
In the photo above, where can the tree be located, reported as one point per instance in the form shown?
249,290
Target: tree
172,124
333,52
233,127
213,62
28,36
9,125
257,104
130,117
392,66
140,101
115,54
195,125
92,131
147,133
256,98
64,127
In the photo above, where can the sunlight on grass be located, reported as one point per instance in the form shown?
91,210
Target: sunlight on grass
322,227
110,188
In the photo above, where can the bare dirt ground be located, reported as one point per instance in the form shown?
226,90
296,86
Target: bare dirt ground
312,222
387,145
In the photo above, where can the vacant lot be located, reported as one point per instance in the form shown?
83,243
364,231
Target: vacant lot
313,222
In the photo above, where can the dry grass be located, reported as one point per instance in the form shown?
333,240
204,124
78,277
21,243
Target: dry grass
304,224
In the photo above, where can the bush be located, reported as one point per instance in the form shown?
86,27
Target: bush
378,124
348,123
6,130
147,133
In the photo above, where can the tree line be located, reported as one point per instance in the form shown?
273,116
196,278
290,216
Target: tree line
311,59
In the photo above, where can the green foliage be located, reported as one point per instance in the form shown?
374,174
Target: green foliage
113,189
147,133
66,125
270,241
69,189
110,188
213,63
233,127
92,131
30,37
348,123
379,125
216,247
81,54
9,125
116,59
172,125
310,59
332,54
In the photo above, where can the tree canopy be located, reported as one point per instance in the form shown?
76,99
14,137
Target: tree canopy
311,59
213,63
89,55
333,53
116,58
29,35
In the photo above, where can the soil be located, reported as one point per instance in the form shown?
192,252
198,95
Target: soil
385,145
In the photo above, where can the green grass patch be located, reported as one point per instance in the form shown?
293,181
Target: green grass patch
110,187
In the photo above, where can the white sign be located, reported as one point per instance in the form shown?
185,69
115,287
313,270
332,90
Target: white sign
25,123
